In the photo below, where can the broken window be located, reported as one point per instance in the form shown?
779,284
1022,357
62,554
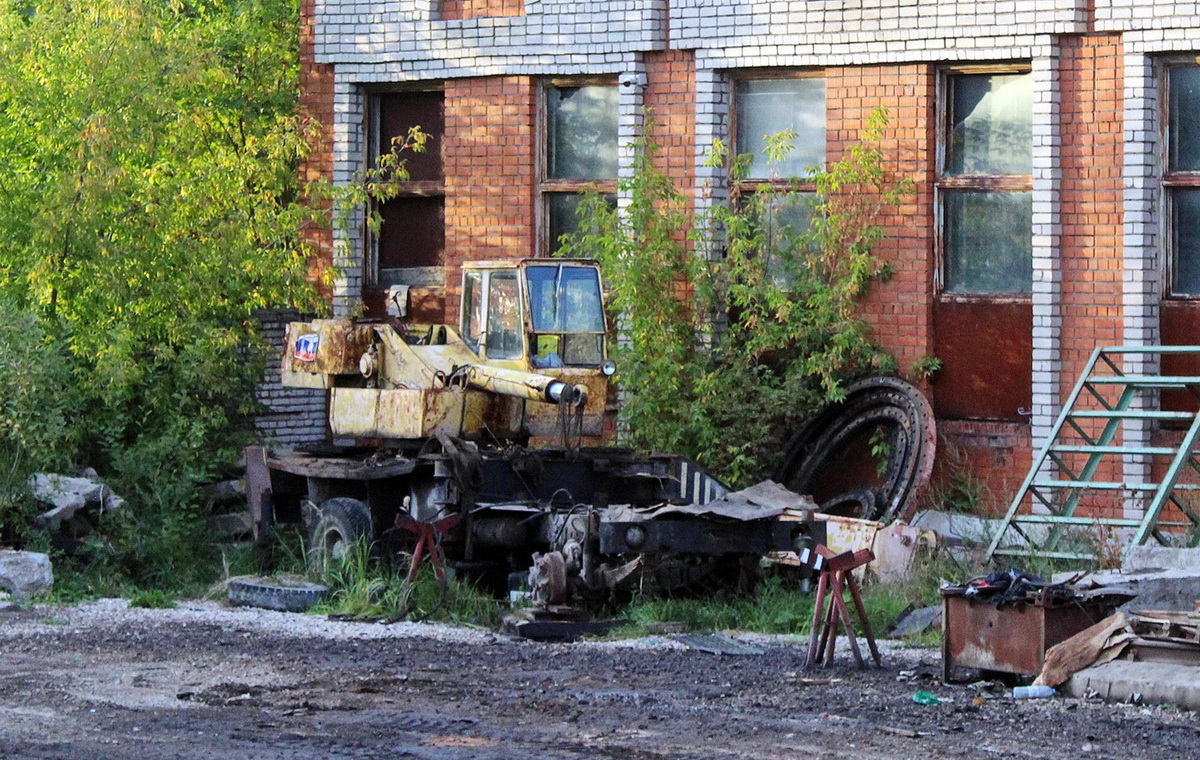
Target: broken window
409,247
579,153
985,184
1182,178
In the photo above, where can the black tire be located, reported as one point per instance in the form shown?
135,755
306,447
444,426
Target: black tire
285,595
340,524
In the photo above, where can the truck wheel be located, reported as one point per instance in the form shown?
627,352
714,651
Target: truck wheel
340,524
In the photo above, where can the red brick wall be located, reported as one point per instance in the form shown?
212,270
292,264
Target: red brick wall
1091,252
992,456
669,97
900,310
490,156
453,10
316,109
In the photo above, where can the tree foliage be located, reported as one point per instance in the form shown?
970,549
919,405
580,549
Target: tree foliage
761,329
149,153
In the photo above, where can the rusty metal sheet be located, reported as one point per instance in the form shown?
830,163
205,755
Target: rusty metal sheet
1180,324
986,349
398,413
849,534
543,419
325,346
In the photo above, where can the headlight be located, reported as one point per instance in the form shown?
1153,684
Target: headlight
608,367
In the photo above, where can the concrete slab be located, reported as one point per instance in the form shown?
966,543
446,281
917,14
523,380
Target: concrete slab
1156,682
1154,557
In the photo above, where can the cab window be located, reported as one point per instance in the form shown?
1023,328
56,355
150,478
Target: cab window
567,314
503,337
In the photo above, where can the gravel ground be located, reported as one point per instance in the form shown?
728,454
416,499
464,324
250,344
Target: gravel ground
101,680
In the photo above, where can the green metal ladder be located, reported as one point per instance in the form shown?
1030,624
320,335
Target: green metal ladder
1076,450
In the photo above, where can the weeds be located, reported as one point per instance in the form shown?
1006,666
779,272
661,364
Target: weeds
155,599
363,587
774,609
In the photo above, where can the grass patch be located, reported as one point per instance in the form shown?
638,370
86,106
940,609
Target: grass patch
155,599
361,586
777,607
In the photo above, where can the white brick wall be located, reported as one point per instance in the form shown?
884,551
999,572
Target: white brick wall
829,32
294,415
1126,15
1047,234
552,33
348,226
1142,268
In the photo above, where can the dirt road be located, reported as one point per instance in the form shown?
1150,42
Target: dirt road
100,681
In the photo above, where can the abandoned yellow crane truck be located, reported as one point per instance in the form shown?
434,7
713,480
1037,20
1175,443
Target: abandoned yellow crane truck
466,445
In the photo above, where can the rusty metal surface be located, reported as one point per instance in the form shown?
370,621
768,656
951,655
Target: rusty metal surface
543,419
343,468
986,348
824,457
405,414
340,343
1180,324
1011,638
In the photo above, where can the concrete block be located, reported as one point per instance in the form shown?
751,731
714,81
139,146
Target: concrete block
1153,682
25,574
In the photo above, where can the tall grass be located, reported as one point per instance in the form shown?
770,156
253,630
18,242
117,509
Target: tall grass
363,586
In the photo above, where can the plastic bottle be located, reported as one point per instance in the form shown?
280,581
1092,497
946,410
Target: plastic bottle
1033,692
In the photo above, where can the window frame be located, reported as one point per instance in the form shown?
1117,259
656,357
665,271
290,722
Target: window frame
802,188
744,186
548,187
944,182
1170,180
465,321
418,275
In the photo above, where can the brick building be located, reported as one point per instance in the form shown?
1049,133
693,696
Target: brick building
1053,144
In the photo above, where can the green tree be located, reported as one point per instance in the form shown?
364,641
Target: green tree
148,155
763,328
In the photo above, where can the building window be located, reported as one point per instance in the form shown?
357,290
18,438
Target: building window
579,153
766,107
985,184
409,247
1182,178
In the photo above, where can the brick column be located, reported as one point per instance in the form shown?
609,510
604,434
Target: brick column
348,159
631,120
1140,271
1047,233
713,101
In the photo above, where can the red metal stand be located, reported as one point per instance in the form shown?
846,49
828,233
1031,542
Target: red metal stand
836,578
429,535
